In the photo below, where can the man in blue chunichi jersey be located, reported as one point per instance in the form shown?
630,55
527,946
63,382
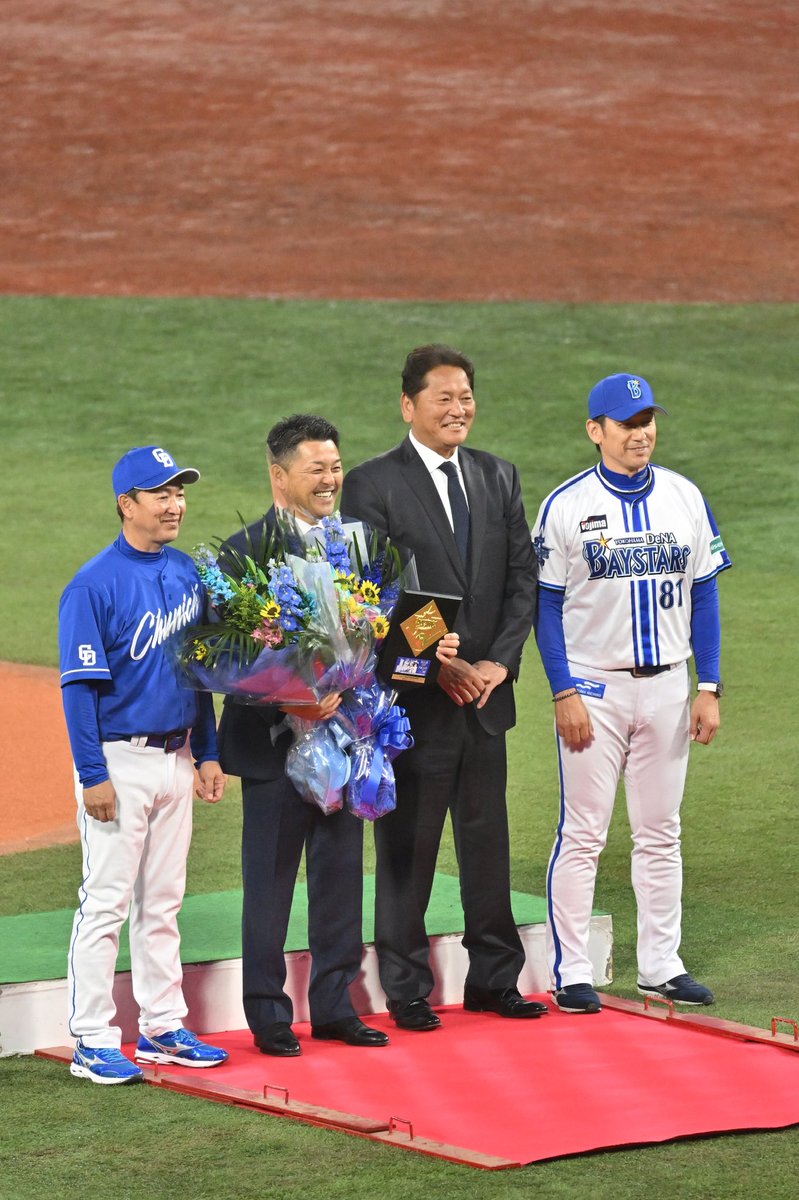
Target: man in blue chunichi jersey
629,556
137,734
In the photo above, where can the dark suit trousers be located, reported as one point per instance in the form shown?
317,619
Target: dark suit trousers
277,824
455,765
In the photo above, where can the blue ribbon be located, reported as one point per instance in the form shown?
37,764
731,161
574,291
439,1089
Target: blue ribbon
390,738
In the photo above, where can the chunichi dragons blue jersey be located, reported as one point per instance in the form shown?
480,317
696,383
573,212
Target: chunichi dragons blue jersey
116,619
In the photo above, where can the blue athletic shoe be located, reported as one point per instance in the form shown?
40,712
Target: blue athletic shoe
682,989
578,998
179,1046
103,1064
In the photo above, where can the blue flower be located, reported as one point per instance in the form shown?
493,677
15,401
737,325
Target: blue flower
333,527
336,549
389,596
215,582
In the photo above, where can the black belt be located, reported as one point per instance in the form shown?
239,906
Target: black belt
645,672
168,742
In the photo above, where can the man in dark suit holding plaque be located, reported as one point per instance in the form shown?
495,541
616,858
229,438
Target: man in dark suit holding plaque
460,512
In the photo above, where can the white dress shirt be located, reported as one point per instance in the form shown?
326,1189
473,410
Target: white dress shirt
314,534
433,460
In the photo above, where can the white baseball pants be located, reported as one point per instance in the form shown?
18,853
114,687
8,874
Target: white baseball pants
641,734
133,866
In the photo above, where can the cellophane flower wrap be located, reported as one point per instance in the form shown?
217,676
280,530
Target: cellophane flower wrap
290,623
374,730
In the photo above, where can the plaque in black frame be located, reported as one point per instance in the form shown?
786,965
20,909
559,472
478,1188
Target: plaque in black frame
408,655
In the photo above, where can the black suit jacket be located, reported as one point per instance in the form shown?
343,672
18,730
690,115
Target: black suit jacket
395,494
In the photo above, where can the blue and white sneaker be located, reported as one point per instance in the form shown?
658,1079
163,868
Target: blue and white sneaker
103,1064
682,989
578,998
179,1046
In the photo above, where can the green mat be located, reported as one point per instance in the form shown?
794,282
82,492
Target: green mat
34,945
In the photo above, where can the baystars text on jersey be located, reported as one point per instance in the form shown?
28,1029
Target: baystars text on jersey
638,554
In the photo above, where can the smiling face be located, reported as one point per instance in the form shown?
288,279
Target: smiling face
308,482
151,519
625,446
441,414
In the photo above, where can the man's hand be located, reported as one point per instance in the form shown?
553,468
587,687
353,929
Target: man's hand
705,718
322,711
492,675
573,722
447,648
211,781
462,682
100,801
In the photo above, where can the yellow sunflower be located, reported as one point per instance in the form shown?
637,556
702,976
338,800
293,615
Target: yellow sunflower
370,592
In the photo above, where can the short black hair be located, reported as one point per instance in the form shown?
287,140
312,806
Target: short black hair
427,358
284,438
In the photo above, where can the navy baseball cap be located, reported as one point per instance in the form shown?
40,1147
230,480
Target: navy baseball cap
621,397
147,467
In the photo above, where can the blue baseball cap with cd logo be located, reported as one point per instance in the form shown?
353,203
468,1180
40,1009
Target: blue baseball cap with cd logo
148,467
621,397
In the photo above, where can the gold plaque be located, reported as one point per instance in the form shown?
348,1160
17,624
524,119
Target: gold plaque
418,622
424,627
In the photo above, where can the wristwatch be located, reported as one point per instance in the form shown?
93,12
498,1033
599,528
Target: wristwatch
716,688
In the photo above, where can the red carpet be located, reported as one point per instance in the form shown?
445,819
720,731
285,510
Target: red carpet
502,1093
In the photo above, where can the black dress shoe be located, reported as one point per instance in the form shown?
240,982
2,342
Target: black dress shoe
413,1014
350,1030
278,1039
506,1002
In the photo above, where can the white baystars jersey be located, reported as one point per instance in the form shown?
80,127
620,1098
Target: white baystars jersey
626,564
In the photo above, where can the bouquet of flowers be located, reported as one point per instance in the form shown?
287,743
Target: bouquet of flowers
291,623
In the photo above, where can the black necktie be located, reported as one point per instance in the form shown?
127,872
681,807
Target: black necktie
460,509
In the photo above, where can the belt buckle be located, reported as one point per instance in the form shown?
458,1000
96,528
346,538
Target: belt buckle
174,742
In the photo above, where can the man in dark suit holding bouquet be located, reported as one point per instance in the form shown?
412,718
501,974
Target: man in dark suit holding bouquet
306,473
460,512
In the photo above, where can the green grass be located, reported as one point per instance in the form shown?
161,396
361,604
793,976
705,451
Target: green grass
83,380
141,1142
132,1142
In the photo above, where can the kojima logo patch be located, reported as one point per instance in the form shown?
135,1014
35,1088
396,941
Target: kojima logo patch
592,523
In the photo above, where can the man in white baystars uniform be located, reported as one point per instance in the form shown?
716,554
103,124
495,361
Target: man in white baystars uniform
134,729
629,555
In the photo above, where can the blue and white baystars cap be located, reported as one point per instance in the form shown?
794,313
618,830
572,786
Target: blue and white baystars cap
621,397
147,467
